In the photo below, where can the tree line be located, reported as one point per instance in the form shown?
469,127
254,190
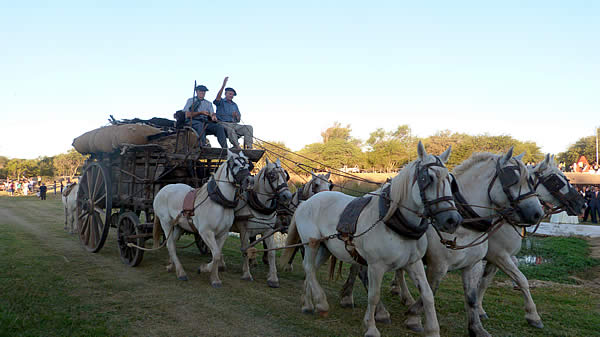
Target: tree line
64,164
389,150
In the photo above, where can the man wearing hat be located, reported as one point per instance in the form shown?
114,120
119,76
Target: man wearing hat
203,117
229,116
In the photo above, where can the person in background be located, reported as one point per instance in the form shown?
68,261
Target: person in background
43,190
587,195
55,187
201,114
595,204
61,187
228,114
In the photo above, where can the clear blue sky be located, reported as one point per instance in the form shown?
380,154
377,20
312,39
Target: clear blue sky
530,69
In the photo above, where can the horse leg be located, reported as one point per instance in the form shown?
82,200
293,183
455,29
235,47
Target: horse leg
171,246
531,315
213,266
253,261
308,263
381,314
434,273
426,302
246,275
272,280
347,300
67,219
314,293
470,277
399,287
488,275
375,276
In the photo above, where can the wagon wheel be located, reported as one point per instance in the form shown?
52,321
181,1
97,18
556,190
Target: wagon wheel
94,207
129,225
202,247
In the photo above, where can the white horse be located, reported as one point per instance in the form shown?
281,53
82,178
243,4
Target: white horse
69,200
554,188
483,180
415,195
317,183
213,213
257,214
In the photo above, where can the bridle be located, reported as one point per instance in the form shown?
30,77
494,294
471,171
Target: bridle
508,178
242,173
423,181
273,175
570,201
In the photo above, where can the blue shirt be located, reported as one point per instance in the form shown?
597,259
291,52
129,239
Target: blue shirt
225,110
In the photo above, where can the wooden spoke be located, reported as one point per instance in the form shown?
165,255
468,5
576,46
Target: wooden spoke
128,225
94,206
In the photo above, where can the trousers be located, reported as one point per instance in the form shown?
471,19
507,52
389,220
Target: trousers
235,131
204,128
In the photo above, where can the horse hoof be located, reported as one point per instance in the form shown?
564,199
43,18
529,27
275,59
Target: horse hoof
216,284
395,292
273,284
535,324
182,278
288,268
247,278
484,316
373,332
324,314
308,311
415,327
385,320
346,304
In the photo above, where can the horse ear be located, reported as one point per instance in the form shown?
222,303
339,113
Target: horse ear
544,164
229,154
421,150
520,157
552,159
278,162
312,172
507,156
444,156
328,175
267,162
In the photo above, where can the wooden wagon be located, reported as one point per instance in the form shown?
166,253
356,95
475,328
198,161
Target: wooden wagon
117,188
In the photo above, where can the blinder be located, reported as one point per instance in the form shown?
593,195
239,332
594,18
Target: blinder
424,180
571,201
508,177
242,173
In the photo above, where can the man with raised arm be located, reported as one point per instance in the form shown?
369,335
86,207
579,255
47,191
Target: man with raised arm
203,117
229,116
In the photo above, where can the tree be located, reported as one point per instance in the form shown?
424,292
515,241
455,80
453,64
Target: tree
585,146
390,149
67,164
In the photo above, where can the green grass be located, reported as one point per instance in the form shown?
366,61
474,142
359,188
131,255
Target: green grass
41,294
34,296
565,256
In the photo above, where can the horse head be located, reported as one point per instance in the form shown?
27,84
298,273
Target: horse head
511,186
238,167
277,178
432,189
554,188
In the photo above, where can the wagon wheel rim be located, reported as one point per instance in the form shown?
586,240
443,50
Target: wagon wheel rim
128,224
94,207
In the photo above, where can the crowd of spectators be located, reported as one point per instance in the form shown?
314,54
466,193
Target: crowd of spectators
26,186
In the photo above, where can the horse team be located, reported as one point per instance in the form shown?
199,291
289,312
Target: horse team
496,195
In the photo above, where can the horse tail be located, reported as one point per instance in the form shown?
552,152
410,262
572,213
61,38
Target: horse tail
292,238
156,232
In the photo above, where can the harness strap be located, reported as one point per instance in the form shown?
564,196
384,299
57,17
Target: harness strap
215,194
258,206
466,211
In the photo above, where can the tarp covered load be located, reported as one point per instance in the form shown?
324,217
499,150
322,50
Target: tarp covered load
112,137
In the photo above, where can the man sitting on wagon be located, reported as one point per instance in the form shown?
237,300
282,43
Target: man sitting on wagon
203,117
229,116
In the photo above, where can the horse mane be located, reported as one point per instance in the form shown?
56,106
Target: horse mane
479,157
475,158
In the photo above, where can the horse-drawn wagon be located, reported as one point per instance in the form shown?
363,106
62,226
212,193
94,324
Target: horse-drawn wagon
117,186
